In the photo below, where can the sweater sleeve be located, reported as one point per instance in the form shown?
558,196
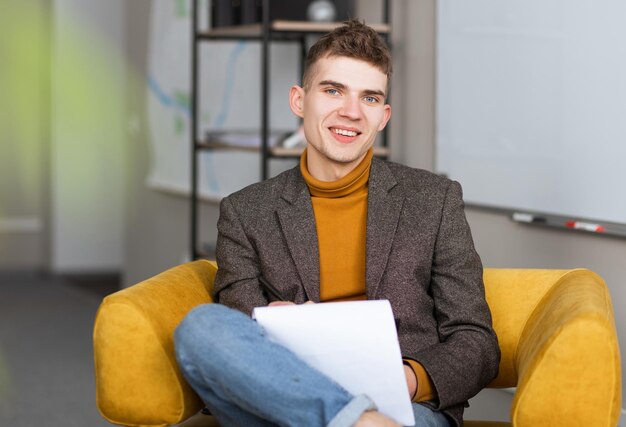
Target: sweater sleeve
425,389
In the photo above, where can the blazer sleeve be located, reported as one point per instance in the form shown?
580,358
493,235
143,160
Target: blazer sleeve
466,358
236,282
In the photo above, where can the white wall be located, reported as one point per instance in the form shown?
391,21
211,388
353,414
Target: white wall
24,88
87,135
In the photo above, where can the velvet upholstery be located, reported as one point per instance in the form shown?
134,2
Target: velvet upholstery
555,329
138,382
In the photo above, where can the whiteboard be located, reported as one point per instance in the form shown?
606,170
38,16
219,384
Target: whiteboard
531,104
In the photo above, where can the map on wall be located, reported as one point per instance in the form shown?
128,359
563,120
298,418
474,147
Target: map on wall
229,100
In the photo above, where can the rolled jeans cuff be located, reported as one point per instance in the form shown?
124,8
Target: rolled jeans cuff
350,413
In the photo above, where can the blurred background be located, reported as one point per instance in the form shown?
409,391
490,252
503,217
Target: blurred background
94,163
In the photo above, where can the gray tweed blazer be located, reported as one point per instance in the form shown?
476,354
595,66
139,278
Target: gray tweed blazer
420,256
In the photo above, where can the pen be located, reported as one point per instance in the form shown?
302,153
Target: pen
270,289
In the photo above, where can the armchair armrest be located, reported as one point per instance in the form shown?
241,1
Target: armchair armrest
568,360
137,378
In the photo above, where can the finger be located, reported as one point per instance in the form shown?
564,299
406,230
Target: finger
277,303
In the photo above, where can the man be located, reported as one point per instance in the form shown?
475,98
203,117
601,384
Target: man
342,226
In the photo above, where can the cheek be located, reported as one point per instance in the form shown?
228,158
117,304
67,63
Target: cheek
311,129
376,119
318,108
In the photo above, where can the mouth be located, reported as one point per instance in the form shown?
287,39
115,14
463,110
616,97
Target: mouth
343,134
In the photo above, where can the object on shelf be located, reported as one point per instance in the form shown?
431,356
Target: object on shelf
243,138
321,11
296,139
225,13
251,11
296,10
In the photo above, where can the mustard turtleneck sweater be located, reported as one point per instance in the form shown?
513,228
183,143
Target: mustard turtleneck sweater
340,209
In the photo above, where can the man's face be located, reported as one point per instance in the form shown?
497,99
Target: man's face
343,110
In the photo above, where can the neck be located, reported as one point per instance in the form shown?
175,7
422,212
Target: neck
329,179
328,170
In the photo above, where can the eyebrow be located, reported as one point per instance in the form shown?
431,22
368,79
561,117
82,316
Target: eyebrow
342,86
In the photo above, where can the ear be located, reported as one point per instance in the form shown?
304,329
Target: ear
386,117
296,100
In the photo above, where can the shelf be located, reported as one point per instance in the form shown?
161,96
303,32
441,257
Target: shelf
223,146
266,33
243,140
255,31
278,152
296,152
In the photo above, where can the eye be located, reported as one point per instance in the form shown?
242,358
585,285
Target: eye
332,91
370,99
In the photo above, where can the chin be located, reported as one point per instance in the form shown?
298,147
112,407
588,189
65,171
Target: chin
352,154
344,157
341,154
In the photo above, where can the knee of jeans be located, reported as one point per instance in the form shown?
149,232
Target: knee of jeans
206,323
192,327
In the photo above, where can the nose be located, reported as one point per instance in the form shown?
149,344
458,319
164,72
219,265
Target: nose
351,108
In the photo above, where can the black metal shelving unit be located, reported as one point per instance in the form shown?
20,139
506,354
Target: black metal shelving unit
264,32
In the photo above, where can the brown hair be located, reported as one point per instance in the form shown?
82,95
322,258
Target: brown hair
353,39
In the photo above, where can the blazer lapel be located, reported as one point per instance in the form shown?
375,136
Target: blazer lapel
297,221
383,212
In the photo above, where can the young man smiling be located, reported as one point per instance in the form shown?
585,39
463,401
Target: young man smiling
342,226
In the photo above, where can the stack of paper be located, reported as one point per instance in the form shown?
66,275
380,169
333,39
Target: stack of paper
354,343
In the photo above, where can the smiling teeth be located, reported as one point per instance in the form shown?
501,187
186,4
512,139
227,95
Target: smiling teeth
344,132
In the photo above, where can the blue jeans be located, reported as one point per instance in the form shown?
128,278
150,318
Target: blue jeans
247,380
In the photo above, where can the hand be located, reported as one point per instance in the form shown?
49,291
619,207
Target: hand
411,380
375,419
277,303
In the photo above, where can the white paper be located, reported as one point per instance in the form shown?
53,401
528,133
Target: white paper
354,343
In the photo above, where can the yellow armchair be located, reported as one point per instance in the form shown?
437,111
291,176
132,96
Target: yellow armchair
555,328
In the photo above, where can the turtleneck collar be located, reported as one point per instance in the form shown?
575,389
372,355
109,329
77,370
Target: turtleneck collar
355,180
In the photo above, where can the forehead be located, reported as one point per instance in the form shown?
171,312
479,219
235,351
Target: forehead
353,73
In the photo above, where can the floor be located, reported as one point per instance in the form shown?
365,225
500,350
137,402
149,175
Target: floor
46,356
